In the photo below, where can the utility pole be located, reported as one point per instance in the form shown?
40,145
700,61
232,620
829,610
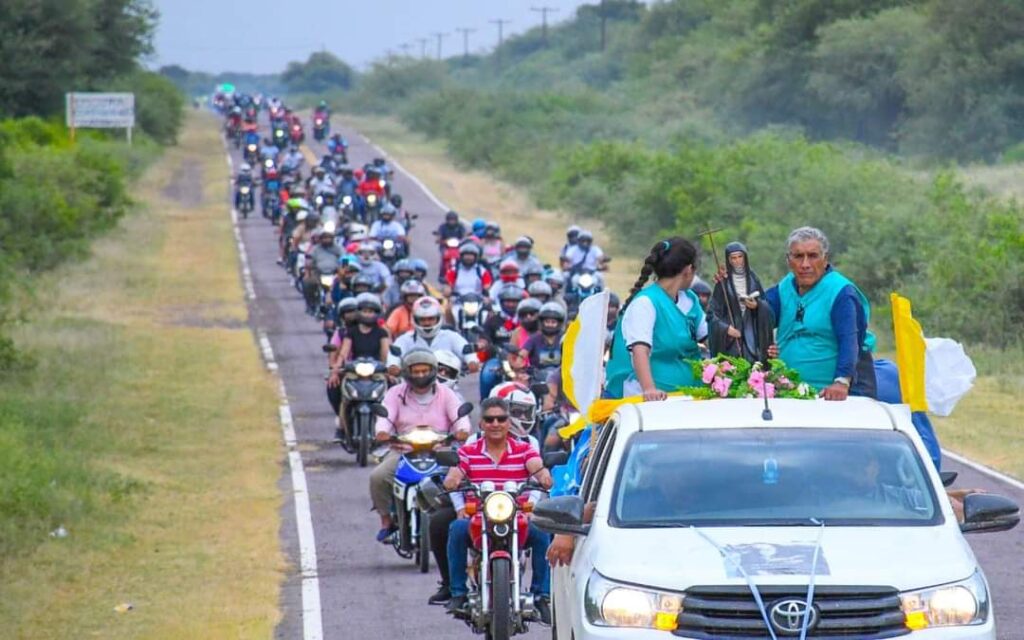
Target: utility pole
604,26
501,37
423,47
544,11
465,31
405,47
440,37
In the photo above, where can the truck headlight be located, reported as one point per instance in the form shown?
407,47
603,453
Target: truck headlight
957,604
611,604
499,507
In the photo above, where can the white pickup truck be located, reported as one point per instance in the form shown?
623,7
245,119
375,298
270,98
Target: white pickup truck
718,519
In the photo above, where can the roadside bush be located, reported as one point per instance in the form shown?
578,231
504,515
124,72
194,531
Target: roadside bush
159,104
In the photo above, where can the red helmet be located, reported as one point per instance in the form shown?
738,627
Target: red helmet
358,173
272,172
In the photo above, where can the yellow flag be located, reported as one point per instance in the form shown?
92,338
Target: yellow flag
910,348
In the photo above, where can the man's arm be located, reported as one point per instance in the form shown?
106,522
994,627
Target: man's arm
535,465
844,318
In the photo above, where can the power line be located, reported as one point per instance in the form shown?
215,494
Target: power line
423,46
465,31
440,38
544,11
501,37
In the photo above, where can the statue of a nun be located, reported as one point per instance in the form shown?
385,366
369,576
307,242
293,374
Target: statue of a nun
742,317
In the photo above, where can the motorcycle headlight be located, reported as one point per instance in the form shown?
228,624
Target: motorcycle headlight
499,507
326,281
586,280
957,604
610,604
245,190
252,147
330,227
422,437
279,134
319,122
268,163
319,200
365,369
389,244
382,183
347,200
471,308
371,199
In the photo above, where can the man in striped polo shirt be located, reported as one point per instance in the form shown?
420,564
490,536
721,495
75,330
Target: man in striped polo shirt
497,458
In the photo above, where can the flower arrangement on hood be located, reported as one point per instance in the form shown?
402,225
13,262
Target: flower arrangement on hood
730,377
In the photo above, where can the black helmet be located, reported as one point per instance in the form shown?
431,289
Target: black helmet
397,200
511,293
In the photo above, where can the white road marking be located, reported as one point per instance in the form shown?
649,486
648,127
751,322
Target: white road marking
988,471
312,617
407,174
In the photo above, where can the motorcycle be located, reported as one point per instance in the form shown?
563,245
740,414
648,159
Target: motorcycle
498,529
323,200
348,207
246,200
280,136
251,153
362,386
469,314
296,134
419,465
582,284
321,126
371,208
271,201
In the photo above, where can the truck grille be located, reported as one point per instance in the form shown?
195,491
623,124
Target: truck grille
726,612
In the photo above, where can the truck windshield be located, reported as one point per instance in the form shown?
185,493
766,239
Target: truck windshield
776,477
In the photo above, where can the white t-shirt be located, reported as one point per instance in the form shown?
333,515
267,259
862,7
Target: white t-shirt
638,328
391,229
589,260
445,339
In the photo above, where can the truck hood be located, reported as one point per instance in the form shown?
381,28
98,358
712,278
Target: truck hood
677,558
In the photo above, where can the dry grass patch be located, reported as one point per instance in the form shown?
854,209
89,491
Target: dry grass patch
149,339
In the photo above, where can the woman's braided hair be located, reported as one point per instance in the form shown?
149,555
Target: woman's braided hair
667,259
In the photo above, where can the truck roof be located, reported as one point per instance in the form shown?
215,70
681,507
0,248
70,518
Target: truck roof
684,413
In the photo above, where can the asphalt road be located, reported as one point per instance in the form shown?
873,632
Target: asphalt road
366,590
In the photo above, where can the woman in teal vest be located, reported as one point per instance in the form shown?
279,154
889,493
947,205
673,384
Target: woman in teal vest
659,327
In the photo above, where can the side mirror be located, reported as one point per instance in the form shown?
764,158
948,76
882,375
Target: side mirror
562,514
468,349
948,477
539,389
447,458
430,496
985,512
329,348
555,459
379,410
414,216
395,351
465,409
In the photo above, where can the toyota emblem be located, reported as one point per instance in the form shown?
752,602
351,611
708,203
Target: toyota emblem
787,616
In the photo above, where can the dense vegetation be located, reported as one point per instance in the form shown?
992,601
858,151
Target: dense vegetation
200,83
759,116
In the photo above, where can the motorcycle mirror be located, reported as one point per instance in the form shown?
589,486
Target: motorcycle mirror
468,349
395,351
414,216
447,458
539,389
465,409
555,459
379,410
948,477
329,348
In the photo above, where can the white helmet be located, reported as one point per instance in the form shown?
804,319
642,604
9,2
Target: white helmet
246,168
426,307
448,368
522,406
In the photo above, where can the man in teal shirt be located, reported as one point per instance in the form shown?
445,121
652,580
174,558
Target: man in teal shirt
822,320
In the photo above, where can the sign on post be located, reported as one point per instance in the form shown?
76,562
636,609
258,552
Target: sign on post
100,111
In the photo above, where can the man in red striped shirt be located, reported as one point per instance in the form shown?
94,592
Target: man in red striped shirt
497,458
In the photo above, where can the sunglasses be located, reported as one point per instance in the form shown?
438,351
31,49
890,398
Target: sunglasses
493,419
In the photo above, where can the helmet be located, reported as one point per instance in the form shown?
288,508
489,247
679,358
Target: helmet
272,173
347,305
528,305
367,247
415,356
426,307
451,216
585,236
479,225
404,264
419,265
573,231
412,286
246,167
511,293
358,174
522,405
357,232
469,247
397,200
555,278
524,241
448,367
509,266
388,210
301,215
493,226
533,270
369,300
539,288
364,279
552,310
319,169
700,287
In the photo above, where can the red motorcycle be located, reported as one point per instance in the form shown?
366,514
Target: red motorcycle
295,133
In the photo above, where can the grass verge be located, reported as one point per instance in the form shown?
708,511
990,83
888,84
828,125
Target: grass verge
476,194
147,429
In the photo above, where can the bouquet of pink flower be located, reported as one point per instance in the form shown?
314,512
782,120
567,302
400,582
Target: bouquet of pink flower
730,377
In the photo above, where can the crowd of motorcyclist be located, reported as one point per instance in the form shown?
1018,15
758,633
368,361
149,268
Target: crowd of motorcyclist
398,342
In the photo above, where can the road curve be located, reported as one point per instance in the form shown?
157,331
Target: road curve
366,591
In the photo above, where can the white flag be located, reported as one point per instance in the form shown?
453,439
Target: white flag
583,353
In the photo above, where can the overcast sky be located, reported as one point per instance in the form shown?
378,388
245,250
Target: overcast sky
257,36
